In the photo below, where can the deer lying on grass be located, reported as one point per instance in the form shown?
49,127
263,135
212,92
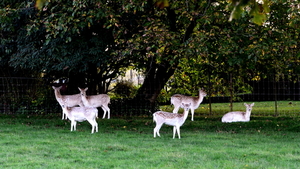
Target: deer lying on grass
73,100
178,99
171,119
80,114
100,100
238,116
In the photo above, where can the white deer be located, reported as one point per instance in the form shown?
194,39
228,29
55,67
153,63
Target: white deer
100,100
238,116
80,114
172,119
70,100
178,99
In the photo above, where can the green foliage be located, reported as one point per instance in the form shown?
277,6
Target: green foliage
164,97
258,10
192,39
64,38
223,56
40,4
124,89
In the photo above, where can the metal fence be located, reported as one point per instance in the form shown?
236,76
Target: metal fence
19,95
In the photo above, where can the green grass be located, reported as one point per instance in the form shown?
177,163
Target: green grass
46,142
284,108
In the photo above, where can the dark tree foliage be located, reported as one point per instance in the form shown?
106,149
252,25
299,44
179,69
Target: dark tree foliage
189,44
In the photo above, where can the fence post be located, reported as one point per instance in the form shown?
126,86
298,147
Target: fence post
275,95
231,92
209,94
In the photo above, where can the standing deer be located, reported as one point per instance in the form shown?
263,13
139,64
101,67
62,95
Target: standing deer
178,99
69,100
171,119
100,100
238,116
80,114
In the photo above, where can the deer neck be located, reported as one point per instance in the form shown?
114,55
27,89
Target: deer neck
199,99
84,99
57,93
248,113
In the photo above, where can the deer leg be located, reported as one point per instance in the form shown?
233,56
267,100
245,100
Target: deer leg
104,114
64,116
192,112
96,125
178,131
106,109
174,131
73,125
92,122
108,112
156,130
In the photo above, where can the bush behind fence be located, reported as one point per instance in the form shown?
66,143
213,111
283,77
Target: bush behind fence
20,95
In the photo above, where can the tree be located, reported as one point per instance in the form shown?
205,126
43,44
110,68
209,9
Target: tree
62,37
237,52
165,38
99,39
69,38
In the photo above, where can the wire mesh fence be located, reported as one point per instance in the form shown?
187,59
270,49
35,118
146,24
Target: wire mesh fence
19,95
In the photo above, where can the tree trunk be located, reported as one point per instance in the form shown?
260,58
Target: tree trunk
156,77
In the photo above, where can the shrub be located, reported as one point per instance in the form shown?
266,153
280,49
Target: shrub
124,89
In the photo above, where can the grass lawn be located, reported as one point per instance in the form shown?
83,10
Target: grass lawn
46,142
284,108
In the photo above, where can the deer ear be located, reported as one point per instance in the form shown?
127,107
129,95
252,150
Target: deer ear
252,104
86,89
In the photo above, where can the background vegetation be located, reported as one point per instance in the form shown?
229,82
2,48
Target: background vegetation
217,45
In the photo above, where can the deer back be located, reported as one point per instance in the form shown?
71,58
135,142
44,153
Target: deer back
178,99
72,100
94,100
81,113
97,100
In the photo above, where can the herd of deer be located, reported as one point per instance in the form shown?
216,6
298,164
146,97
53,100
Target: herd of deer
87,110
88,107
